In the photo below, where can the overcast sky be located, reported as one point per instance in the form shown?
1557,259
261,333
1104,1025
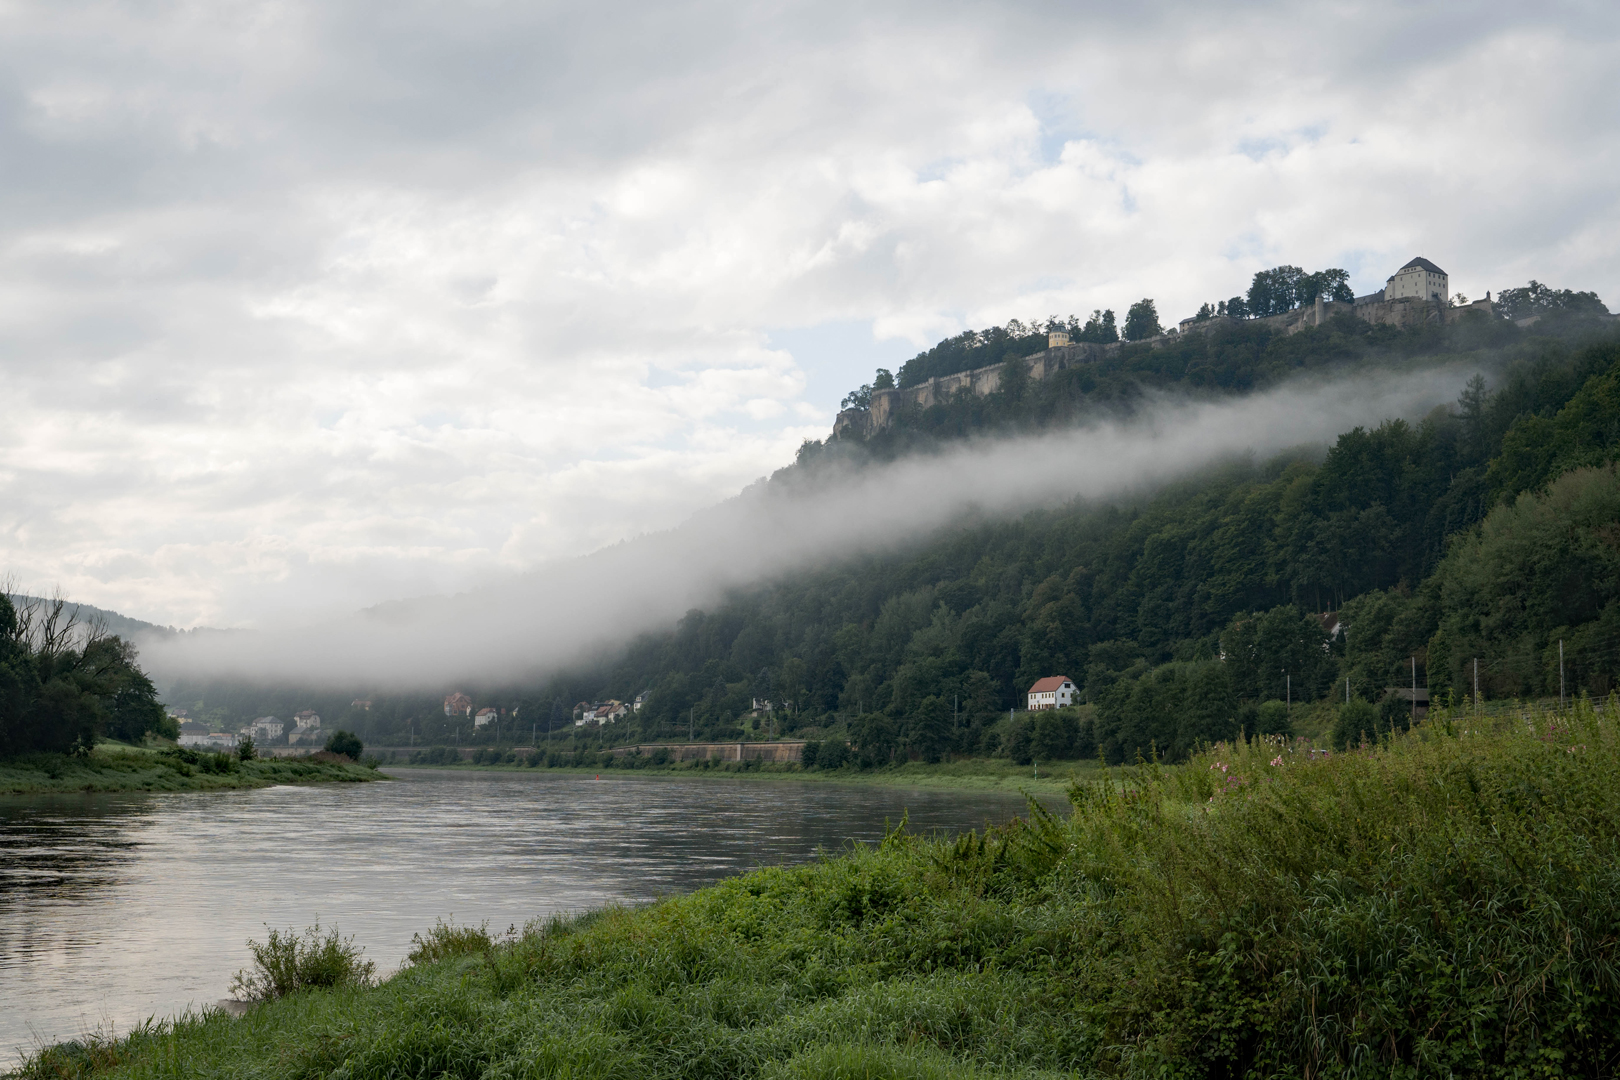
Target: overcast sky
307,306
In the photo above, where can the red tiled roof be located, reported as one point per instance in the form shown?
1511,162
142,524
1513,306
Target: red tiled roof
1053,682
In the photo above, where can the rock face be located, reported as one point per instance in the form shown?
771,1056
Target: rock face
1402,312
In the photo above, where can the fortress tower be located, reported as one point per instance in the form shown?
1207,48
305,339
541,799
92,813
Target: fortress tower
1419,278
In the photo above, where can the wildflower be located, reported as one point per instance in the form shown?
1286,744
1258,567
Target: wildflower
1277,761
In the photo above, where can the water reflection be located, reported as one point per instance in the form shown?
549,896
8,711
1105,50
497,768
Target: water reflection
115,908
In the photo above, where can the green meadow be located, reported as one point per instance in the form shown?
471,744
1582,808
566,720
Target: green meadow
120,767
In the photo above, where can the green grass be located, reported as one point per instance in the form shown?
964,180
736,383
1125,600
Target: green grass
1447,904
120,767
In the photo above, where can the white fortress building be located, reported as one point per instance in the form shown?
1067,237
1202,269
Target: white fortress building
1419,278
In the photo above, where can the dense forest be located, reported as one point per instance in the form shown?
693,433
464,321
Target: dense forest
1486,531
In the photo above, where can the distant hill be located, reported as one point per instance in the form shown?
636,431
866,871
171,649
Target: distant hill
122,625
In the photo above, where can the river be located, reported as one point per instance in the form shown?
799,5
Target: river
114,908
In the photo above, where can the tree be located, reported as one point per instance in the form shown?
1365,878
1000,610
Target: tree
1235,308
1357,720
1275,291
884,380
1538,299
1099,328
1328,284
63,682
857,399
345,743
874,738
929,727
1142,321
1054,735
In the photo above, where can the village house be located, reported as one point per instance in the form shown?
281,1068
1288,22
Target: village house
266,728
1053,692
307,720
485,716
458,704
209,740
641,699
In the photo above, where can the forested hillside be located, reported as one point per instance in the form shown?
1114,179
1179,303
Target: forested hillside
1488,530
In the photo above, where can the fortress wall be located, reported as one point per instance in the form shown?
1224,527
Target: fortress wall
1401,312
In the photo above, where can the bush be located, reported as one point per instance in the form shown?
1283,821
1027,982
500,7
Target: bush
446,940
220,764
1272,718
287,963
245,750
345,743
1357,720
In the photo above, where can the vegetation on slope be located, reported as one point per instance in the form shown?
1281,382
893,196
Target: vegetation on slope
1443,904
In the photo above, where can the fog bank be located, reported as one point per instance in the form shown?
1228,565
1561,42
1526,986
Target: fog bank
572,610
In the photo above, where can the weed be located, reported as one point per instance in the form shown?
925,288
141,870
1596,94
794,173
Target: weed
287,963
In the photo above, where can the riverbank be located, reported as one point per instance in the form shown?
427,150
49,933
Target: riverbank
979,774
1442,905
118,767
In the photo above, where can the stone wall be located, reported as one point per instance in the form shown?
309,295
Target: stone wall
1403,312
727,751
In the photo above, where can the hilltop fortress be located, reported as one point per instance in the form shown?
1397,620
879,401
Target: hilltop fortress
1414,296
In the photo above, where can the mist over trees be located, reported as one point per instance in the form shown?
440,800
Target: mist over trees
1183,616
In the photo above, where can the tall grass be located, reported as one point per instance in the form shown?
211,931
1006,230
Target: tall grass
1447,903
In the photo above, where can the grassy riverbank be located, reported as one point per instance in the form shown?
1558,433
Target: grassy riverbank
117,767
978,774
1442,905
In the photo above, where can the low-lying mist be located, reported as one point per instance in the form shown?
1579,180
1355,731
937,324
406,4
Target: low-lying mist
574,610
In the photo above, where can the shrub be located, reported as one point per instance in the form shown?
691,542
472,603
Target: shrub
1272,718
1357,720
287,963
446,940
245,749
345,743
219,763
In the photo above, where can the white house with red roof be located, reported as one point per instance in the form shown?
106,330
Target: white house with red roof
484,716
1053,692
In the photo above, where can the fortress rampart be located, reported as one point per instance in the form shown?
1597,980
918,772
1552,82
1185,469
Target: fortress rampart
886,404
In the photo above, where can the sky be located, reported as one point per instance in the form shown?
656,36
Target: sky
307,307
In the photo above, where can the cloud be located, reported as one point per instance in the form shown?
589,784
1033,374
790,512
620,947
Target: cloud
530,625
307,306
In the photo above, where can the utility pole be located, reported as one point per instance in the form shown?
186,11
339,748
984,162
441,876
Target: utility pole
1347,689
1560,673
1414,688
1476,686
691,724
1288,681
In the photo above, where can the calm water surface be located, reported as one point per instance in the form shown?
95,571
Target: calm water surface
118,907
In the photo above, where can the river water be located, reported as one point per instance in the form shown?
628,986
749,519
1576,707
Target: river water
114,908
